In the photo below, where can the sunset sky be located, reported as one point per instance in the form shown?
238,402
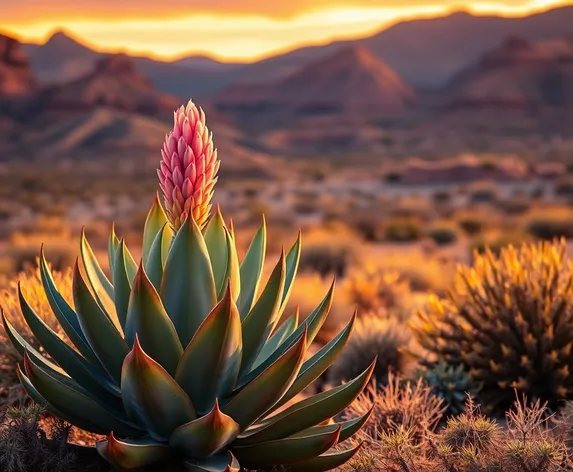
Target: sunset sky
243,30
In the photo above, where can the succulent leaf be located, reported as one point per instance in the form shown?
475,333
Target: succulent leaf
252,270
311,411
217,246
234,267
267,388
75,402
210,364
31,391
112,247
156,256
279,336
23,346
292,260
69,360
224,462
121,285
64,313
133,453
325,462
152,397
347,428
99,283
188,296
148,320
314,367
155,221
261,320
103,336
205,436
311,325
285,451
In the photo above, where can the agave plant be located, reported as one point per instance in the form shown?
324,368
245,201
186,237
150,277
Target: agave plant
181,357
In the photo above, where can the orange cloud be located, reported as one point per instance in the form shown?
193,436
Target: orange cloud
36,10
228,29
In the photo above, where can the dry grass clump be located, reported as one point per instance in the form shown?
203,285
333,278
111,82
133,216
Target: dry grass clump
373,337
400,406
471,442
24,446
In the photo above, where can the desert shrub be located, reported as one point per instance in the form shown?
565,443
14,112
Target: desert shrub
10,391
442,197
551,223
443,234
401,230
393,177
514,206
509,321
472,223
373,337
371,230
483,194
328,257
411,207
564,188
373,289
400,406
451,383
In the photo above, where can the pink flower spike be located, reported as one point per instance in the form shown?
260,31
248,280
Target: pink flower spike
188,167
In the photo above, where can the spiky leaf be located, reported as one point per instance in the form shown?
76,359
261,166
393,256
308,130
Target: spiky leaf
266,389
211,362
252,270
188,294
155,221
147,319
206,435
133,453
102,334
152,397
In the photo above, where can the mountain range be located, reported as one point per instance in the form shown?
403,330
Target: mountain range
64,99
426,53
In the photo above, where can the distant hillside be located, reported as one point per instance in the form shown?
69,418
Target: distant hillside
63,58
114,83
16,78
518,73
428,52
351,79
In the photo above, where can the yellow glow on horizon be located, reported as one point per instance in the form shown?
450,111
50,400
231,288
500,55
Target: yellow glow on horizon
246,38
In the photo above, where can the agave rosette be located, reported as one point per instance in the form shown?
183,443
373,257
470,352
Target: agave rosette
181,356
